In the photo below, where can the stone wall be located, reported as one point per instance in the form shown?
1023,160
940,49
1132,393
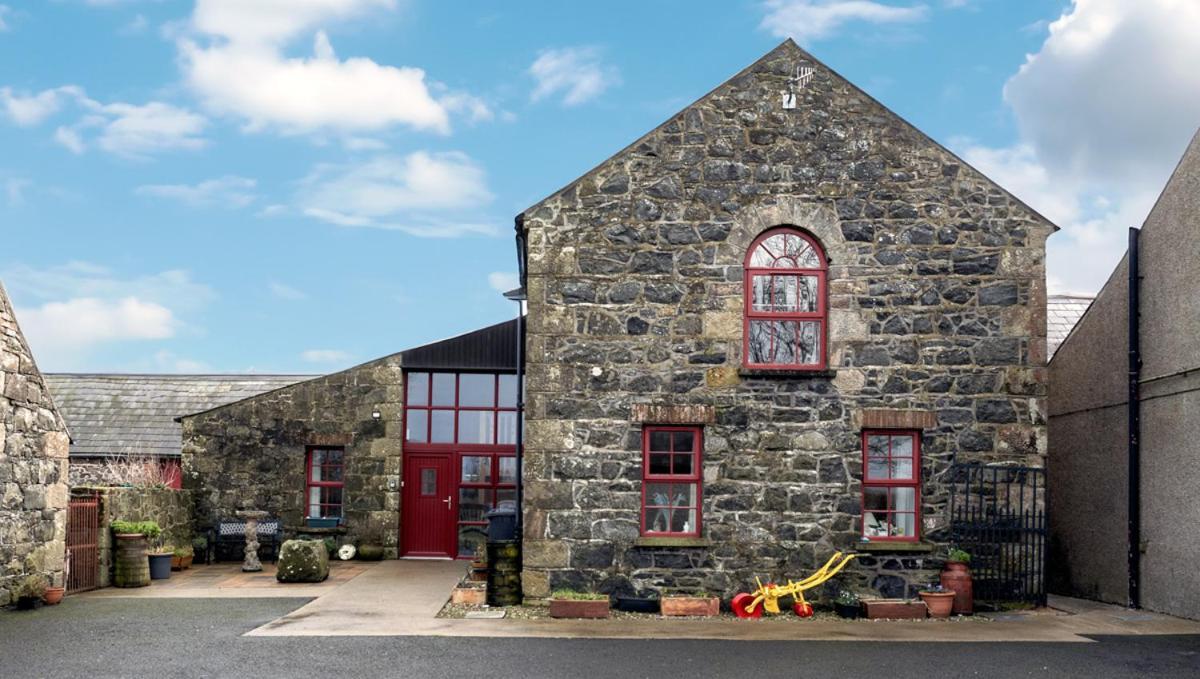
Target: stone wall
170,509
33,465
937,306
251,454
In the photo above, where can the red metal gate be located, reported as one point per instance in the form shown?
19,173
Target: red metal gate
83,548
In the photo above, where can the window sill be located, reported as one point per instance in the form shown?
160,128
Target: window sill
894,546
786,373
672,542
313,530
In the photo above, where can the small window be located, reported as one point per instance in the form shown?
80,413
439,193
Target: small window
891,485
785,301
671,481
325,482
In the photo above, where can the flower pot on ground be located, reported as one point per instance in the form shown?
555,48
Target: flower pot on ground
956,577
54,595
468,596
696,605
30,591
160,564
131,567
569,604
182,558
895,609
939,601
636,604
847,605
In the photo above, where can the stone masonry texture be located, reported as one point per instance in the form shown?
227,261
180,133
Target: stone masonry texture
936,299
33,465
251,454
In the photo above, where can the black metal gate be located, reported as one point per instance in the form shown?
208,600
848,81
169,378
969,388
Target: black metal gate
998,515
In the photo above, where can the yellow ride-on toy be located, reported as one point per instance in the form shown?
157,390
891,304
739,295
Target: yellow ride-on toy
766,597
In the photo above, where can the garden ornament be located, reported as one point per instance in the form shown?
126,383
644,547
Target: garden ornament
766,597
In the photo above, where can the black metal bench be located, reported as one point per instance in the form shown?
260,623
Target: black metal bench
227,540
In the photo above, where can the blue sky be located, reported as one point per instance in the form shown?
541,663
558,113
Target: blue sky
229,186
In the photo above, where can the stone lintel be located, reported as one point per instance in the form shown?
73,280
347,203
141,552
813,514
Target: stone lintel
888,418
672,542
338,439
895,546
673,414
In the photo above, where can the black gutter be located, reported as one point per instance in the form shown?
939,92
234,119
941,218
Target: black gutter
1134,471
522,251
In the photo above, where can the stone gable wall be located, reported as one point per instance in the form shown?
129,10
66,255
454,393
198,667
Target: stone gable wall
33,466
936,305
251,454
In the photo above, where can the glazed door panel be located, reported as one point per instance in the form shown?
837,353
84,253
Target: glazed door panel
429,506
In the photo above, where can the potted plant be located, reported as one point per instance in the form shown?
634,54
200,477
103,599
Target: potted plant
847,605
200,547
131,568
956,577
160,556
565,603
639,604
938,600
697,604
479,564
30,592
182,559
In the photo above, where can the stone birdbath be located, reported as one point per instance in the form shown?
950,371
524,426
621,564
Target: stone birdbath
252,517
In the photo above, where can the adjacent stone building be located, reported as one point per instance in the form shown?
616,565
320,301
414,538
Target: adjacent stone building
1090,436
726,314
33,465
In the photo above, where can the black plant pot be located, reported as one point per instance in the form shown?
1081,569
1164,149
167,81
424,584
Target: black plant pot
633,604
160,566
28,603
848,611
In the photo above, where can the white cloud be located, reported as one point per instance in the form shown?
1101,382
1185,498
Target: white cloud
234,60
810,20
58,330
14,190
1105,108
229,191
167,361
129,130
503,281
326,356
423,193
27,110
287,292
5,10
577,73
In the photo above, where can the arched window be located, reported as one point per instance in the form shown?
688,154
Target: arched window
785,301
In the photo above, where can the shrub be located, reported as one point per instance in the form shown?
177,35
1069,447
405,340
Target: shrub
199,544
184,552
957,554
148,528
331,547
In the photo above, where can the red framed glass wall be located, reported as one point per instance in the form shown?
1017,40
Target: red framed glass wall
470,417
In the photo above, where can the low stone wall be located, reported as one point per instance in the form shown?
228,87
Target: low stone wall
170,509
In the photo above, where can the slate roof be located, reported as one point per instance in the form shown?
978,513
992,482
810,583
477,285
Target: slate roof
1062,313
135,414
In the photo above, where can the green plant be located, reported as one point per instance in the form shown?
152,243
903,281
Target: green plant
199,544
331,546
957,554
934,589
33,586
149,529
184,552
846,598
572,595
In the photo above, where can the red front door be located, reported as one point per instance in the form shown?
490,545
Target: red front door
429,505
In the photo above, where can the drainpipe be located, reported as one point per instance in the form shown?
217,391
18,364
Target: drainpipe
522,251
1134,471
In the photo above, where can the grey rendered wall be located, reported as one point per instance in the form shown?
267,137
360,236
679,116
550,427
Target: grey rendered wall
1170,333
1088,449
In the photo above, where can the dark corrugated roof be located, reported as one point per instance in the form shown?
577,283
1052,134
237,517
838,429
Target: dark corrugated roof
490,348
135,414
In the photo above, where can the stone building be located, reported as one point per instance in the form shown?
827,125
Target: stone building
729,314
334,449
1117,539
123,425
33,465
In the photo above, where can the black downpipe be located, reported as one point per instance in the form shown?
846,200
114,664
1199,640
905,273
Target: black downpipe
519,225
1134,428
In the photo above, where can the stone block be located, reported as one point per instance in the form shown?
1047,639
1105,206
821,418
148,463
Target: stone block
302,561
545,554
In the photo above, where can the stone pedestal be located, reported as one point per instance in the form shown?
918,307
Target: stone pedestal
252,517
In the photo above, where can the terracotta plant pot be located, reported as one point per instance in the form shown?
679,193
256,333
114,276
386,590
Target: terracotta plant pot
957,578
576,608
54,595
468,596
691,606
939,603
895,609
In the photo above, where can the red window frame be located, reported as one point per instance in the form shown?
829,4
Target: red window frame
888,484
694,478
311,483
495,485
820,316
456,408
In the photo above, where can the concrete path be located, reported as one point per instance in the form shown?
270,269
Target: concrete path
226,580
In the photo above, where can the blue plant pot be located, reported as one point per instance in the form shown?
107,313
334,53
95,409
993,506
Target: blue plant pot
160,566
327,522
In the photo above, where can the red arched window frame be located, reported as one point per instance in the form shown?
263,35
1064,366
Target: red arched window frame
786,317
